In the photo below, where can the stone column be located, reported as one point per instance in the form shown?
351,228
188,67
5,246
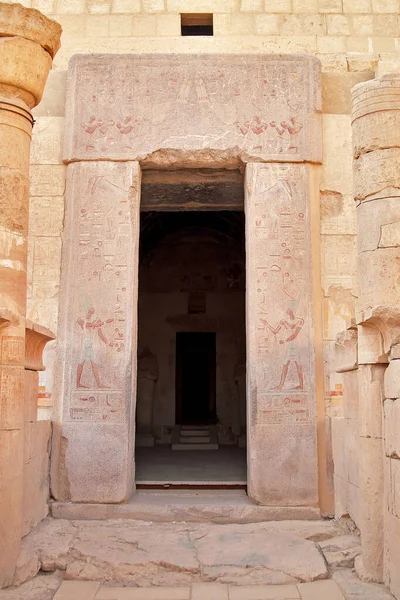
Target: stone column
93,454
281,395
376,141
28,43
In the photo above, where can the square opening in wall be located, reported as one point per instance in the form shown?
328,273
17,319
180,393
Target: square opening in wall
197,24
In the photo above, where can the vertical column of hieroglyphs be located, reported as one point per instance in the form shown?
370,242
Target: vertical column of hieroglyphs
98,331
28,43
282,451
376,141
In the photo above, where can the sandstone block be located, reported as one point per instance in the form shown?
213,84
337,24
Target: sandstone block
252,5
168,25
357,6
70,6
98,7
126,6
330,45
386,6
363,25
346,349
350,396
46,216
371,495
45,6
305,6
382,44
47,180
392,541
267,24
377,270
337,165
206,6
392,380
153,5
97,25
284,6
357,44
31,396
370,399
378,224
370,345
47,140
338,24
120,26
53,99
330,6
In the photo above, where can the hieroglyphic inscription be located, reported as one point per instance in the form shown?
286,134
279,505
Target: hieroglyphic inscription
12,350
278,216
131,106
103,268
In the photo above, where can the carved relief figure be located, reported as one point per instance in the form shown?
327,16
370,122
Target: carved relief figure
91,326
293,325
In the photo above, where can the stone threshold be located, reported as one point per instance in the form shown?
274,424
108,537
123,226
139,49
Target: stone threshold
191,506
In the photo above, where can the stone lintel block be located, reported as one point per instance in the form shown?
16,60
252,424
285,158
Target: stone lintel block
377,174
346,350
392,428
384,319
36,337
392,380
376,114
193,126
28,23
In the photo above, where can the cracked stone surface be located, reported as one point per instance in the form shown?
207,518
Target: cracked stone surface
142,553
42,587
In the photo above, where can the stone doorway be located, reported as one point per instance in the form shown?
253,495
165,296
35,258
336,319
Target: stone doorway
191,400
155,124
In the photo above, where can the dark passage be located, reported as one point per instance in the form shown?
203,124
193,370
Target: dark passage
195,378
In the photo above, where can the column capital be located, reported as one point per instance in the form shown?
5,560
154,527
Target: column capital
29,42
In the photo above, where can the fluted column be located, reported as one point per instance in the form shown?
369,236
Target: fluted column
376,141
28,43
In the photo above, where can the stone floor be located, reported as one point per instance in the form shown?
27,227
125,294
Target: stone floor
344,586
160,464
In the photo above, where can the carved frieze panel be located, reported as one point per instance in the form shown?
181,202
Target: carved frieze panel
165,109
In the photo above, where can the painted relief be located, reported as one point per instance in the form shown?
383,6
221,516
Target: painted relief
279,222
131,106
102,256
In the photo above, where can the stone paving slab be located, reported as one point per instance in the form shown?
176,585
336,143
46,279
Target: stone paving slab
158,554
319,590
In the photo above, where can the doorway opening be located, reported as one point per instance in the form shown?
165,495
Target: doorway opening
195,384
191,402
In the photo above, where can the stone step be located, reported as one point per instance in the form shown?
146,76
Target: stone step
195,446
197,506
195,439
195,432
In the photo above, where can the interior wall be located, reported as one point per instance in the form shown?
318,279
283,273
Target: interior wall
194,263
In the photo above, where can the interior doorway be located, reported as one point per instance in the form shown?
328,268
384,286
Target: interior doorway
191,402
195,378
